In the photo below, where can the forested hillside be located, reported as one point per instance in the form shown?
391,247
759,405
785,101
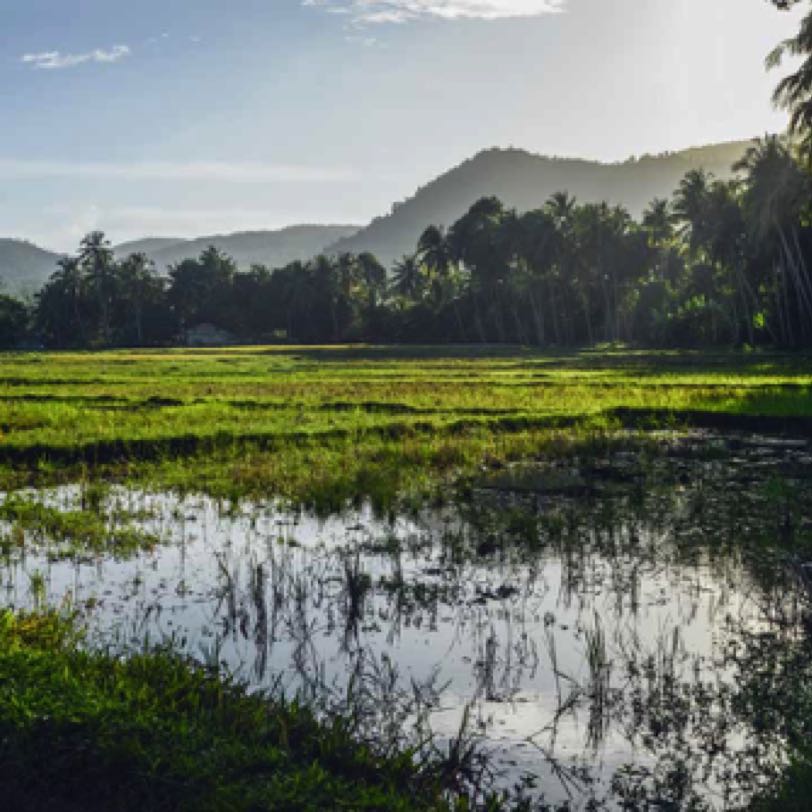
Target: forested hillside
524,181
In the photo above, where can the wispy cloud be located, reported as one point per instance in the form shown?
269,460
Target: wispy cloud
56,60
175,171
401,11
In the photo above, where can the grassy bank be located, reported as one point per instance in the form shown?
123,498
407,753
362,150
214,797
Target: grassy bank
92,732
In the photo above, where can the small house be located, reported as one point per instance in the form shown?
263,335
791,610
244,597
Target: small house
208,335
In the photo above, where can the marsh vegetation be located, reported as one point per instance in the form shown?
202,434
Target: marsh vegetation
451,577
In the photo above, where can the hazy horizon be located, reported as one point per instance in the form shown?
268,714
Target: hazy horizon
192,119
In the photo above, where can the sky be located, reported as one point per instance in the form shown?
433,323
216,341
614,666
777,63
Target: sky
191,117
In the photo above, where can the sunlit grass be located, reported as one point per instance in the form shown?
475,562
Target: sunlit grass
329,424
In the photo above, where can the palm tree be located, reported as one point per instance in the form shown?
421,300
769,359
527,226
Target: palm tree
60,305
777,192
561,207
690,207
658,221
476,242
794,92
538,249
436,255
98,263
373,275
139,283
332,281
408,280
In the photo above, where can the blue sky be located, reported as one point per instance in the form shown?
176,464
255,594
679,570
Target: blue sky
184,117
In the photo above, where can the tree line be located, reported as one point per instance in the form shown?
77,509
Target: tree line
723,262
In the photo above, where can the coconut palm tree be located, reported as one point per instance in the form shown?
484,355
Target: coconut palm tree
61,304
139,285
442,272
794,92
98,264
408,279
777,191
658,221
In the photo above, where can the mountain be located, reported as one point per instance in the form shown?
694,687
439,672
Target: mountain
271,248
24,266
149,245
520,179
524,181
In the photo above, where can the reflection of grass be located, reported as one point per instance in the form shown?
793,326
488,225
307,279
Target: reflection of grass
72,532
92,732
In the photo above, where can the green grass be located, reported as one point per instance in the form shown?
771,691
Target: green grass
323,425
87,731
65,533
315,426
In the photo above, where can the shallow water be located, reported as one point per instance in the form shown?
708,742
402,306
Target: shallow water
603,622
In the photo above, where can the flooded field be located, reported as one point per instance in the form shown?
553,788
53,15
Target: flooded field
619,629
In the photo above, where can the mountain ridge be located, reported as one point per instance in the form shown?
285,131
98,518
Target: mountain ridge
521,179
524,180
273,248
25,267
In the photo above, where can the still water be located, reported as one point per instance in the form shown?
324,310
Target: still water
630,628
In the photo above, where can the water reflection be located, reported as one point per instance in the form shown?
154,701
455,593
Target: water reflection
626,630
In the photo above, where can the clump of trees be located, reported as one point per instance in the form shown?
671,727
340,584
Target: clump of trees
721,262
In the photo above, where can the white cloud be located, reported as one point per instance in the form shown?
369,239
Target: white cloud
400,11
169,171
56,60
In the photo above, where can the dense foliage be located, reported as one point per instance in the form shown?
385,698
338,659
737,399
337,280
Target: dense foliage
723,262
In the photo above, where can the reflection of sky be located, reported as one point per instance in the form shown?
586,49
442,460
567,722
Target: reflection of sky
549,606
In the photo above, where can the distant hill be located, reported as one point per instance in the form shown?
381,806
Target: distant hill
24,267
520,179
148,245
271,248
524,181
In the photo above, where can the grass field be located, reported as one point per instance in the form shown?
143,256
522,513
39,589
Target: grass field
313,427
322,425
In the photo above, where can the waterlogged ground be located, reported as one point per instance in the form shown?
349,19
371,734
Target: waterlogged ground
628,628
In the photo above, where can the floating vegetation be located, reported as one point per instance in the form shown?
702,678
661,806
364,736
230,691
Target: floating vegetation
89,528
